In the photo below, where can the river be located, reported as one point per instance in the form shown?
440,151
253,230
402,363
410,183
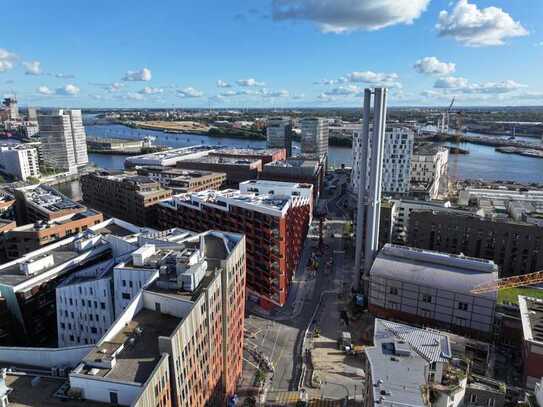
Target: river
483,162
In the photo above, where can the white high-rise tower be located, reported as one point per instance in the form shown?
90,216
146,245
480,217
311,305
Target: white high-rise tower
369,191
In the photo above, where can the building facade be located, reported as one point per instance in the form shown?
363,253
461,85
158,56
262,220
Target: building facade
63,139
531,313
429,169
236,169
182,181
19,161
274,217
315,132
516,247
279,134
128,197
433,289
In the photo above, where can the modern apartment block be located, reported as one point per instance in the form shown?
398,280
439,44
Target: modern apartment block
11,107
63,140
236,169
28,284
274,217
19,161
132,198
514,246
168,158
38,203
433,289
410,366
21,240
180,341
182,181
398,151
315,132
279,134
531,313
85,305
429,169
266,155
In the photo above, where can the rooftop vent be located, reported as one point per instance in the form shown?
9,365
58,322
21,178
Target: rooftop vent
35,265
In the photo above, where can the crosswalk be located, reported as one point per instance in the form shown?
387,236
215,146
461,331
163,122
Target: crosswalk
292,397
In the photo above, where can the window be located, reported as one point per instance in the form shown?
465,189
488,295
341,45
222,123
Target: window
462,306
157,306
126,296
94,330
427,298
491,402
473,398
113,398
393,290
124,283
103,305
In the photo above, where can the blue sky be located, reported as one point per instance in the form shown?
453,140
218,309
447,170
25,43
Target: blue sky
271,53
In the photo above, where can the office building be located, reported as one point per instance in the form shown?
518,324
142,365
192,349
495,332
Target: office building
409,366
24,239
298,170
433,289
63,140
182,181
37,203
531,313
84,303
514,246
279,134
29,284
274,217
314,136
180,341
20,161
11,107
429,170
397,156
236,169
129,197
168,158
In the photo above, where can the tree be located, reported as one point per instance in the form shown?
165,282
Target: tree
33,180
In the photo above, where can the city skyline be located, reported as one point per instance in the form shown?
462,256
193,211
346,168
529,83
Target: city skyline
278,53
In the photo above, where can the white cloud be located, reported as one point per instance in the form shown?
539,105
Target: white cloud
390,80
349,90
134,96
275,94
44,90
189,92
451,82
64,76
462,85
433,66
33,67
7,60
151,91
476,27
68,90
223,84
251,82
339,16
143,75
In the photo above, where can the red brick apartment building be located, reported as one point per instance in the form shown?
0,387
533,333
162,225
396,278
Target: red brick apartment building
274,217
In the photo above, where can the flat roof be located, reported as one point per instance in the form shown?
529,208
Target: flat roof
247,151
531,313
73,217
49,198
139,342
212,159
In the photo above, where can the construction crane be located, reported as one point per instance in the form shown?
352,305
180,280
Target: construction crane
509,282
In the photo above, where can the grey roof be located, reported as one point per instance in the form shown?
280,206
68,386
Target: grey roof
434,269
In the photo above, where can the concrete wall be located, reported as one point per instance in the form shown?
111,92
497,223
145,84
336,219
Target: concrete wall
129,281
98,389
44,357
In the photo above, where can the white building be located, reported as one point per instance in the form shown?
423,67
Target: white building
429,169
63,138
12,108
168,158
85,306
314,136
279,134
20,161
539,392
397,156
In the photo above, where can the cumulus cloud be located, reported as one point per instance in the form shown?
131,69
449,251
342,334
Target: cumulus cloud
433,66
251,82
223,84
389,80
68,90
462,85
347,15
7,60
331,81
476,27
189,92
275,94
151,91
143,75
64,76
33,68
349,90
44,90
134,96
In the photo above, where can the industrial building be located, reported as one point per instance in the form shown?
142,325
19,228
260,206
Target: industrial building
19,161
129,197
531,313
314,136
409,366
24,239
180,341
63,140
168,158
433,289
279,134
429,170
182,181
274,217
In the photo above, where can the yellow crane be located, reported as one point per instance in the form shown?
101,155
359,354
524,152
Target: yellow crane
509,282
